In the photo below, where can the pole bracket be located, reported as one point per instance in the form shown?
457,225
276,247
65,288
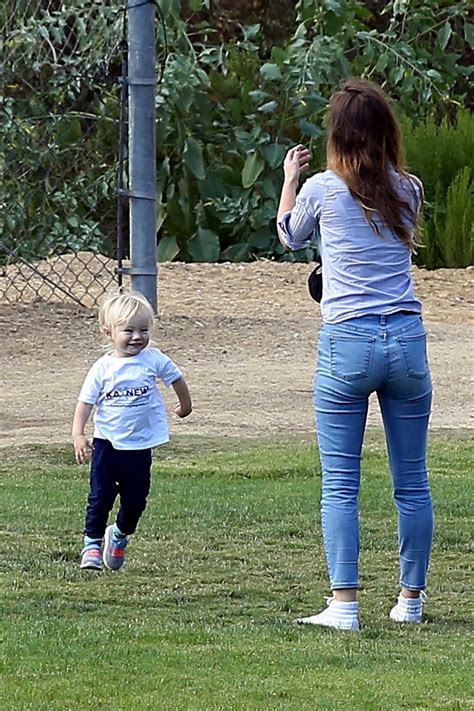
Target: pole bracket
141,81
135,194
136,271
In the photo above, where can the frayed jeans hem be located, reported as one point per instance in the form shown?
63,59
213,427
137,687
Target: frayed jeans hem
414,588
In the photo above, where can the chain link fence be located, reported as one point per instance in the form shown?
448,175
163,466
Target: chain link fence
60,128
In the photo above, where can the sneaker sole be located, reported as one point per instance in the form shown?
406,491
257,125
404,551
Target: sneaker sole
302,623
90,566
406,621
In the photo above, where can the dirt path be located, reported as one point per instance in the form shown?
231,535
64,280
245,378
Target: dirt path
245,337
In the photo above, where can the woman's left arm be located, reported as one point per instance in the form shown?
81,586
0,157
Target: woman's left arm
296,163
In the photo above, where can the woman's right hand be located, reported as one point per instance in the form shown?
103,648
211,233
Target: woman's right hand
296,162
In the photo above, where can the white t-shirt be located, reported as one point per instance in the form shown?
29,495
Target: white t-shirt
130,411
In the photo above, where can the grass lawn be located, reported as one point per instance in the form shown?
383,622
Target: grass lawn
228,553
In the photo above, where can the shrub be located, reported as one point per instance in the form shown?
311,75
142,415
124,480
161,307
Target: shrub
442,156
455,228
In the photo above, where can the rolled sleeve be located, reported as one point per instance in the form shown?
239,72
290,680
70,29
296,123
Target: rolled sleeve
419,191
298,226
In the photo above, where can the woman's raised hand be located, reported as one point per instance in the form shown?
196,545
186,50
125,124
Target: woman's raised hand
296,162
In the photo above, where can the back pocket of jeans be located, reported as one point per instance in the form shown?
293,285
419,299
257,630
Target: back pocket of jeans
414,353
351,356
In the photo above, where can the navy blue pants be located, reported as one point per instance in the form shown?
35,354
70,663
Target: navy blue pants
114,472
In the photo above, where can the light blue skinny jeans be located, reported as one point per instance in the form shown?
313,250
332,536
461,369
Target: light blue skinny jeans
386,355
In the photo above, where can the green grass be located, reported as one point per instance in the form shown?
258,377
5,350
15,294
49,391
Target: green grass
228,553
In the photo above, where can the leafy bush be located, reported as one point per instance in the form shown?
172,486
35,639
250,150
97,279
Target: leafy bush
456,229
443,157
226,113
58,131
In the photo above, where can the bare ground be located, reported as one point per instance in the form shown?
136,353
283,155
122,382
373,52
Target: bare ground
245,337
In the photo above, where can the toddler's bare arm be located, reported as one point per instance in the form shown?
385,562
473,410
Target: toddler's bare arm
82,446
185,405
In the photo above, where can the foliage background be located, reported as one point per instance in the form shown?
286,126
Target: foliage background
242,82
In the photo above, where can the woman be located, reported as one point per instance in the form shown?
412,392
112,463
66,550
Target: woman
365,207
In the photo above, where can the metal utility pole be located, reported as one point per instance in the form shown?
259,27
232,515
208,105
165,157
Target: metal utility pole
141,147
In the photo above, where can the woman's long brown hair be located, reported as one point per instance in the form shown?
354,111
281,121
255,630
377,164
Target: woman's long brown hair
364,142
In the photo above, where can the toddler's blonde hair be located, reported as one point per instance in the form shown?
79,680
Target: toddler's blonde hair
119,309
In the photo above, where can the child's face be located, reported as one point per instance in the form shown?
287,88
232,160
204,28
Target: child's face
130,338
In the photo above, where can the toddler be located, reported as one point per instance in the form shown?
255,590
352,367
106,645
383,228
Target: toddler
130,418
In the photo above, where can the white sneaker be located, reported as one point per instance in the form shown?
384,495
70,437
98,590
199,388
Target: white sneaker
408,609
340,615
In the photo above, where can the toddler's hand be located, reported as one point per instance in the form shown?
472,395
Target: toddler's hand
182,411
83,449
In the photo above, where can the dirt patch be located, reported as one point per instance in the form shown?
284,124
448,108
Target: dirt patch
245,336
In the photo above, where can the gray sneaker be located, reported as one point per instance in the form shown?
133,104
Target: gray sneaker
114,551
91,559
